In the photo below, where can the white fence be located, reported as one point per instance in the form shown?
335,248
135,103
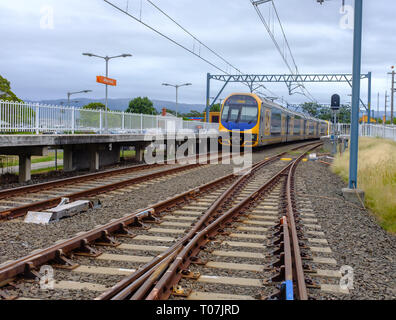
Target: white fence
341,129
380,131
369,130
36,118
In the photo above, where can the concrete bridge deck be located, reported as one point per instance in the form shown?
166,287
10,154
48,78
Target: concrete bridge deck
87,151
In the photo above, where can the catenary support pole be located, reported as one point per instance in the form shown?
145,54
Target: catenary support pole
369,100
207,97
357,57
392,95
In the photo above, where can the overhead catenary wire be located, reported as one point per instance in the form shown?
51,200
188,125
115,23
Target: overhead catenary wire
200,44
293,68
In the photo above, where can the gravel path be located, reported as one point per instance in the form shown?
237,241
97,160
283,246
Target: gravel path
353,234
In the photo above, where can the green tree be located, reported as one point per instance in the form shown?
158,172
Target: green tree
215,108
323,112
95,106
344,114
89,119
13,113
312,108
171,111
141,105
8,95
193,113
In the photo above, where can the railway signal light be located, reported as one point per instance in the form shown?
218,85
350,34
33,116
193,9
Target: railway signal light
335,102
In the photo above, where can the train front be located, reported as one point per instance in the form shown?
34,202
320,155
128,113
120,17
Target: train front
239,120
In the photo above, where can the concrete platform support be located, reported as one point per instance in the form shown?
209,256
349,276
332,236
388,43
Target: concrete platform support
94,161
68,159
90,157
25,165
139,150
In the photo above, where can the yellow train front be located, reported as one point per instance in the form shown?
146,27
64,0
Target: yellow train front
265,122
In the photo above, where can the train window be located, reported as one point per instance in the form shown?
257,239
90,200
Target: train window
240,109
276,122
249,114
234,114
224,116
297,125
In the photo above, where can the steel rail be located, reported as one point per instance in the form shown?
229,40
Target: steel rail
288,284
49,203
12,269
162,289
87,177
298,270
31,262
62,182
126,287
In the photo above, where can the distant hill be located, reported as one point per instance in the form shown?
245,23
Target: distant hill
122,104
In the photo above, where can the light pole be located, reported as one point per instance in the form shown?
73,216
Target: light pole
69,94
107,59
221,100
177,86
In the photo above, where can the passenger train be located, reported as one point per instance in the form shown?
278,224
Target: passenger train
265,122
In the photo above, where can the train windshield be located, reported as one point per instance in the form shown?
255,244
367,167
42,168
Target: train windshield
240,109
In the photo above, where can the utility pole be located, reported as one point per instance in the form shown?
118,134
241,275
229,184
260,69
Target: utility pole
386,104
378,103
392,93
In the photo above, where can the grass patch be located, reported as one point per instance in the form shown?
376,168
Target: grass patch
46,170
129,153
376,176
10,161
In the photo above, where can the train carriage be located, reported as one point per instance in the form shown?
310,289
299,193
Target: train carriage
265,122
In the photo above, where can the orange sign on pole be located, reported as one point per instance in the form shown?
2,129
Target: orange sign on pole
108,81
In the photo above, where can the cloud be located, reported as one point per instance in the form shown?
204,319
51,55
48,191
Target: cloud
45,64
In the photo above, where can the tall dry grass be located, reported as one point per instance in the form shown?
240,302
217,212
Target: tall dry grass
376,176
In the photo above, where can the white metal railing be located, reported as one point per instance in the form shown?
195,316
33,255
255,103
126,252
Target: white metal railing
341,128
37,118
377,130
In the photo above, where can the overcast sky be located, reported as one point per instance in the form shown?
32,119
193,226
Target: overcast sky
45,63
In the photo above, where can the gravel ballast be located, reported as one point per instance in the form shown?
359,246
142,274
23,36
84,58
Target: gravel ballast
353,235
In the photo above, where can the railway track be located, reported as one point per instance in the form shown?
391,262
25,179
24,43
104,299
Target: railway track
171,249
15,203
